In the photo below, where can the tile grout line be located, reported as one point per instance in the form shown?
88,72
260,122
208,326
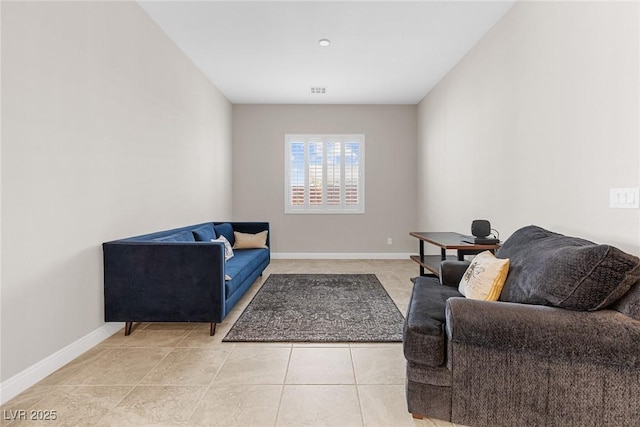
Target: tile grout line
66,383
63,384
139,381
210,384
109,351
106,353
355,381
284,383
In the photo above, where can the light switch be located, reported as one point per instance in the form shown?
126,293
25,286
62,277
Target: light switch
624,198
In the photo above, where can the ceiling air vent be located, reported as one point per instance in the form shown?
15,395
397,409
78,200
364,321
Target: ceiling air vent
315,90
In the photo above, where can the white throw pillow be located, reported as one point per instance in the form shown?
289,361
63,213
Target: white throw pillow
228,250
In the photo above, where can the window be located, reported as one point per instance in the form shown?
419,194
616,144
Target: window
324,174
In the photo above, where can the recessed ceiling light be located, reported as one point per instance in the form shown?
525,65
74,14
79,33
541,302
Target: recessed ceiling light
324,42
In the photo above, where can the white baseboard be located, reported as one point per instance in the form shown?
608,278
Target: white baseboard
37,372
339,255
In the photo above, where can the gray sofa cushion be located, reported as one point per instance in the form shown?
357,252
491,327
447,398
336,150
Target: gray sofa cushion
423,335
552,269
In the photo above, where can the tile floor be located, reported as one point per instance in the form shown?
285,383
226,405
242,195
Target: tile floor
176,374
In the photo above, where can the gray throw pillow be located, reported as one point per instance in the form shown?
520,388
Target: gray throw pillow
552,269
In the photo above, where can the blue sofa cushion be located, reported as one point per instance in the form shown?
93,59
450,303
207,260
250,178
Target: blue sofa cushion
183,236
227,231
204,233
243,263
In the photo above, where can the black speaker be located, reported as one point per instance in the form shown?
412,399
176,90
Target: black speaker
480,228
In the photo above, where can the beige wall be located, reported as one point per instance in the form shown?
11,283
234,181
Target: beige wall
108,131
390,174
536,124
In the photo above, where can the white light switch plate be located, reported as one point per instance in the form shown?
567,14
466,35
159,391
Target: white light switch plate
624,198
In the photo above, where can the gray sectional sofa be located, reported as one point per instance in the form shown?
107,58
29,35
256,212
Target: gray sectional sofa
561,347
179,275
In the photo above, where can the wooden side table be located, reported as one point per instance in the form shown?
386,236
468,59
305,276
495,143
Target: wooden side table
445,241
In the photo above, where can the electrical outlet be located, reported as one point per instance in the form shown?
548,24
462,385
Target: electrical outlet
389,241
622,198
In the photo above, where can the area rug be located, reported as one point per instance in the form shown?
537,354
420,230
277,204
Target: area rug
319,308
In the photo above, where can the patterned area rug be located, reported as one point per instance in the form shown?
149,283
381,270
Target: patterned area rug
320,308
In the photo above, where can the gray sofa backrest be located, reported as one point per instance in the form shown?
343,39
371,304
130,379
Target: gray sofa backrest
548,268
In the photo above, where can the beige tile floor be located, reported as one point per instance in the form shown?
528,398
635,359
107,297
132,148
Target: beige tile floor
176,374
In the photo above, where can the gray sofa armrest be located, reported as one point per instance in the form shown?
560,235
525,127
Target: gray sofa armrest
603,337
452,271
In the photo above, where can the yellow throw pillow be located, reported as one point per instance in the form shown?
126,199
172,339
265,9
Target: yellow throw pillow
250,241
485,277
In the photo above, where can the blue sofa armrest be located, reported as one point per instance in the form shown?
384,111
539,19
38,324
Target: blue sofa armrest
164,281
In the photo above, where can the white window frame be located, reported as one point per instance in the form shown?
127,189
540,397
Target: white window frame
341,208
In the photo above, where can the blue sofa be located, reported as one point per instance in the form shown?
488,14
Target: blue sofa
178,275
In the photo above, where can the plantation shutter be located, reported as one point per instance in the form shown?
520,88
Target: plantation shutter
324,174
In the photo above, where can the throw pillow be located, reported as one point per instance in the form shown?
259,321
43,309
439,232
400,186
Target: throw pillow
484,277
250,241
228,250
226,230
204,233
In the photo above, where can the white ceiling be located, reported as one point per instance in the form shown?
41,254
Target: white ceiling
381,52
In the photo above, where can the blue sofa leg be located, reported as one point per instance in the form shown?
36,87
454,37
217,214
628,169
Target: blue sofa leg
128,326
